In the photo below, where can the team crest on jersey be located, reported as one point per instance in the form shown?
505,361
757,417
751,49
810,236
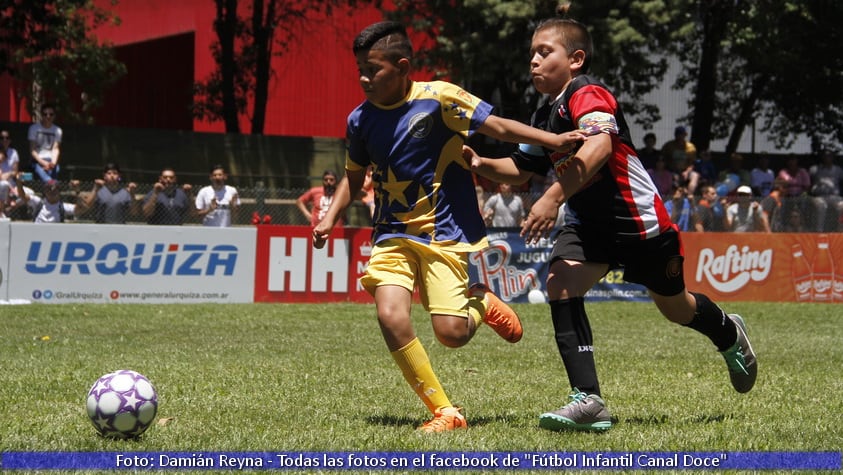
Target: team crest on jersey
674,267
420,125
462,94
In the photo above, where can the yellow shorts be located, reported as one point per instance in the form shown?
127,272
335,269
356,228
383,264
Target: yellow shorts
440,275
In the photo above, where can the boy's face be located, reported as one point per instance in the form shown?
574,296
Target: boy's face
550,63
383,82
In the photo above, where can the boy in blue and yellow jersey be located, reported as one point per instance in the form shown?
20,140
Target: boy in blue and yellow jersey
426,218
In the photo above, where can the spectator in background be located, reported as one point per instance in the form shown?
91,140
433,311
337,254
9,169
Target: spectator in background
9,166
733,176
761,177
19,204
688,178
503,209
681,209
793,222
45,145
662,177
745,215
774,208
706,168
8,173
649,153
217,203
797,184
711,210
314,202
481,197
368,191
51,208
826,182
679,150
797,179
111,202
168,203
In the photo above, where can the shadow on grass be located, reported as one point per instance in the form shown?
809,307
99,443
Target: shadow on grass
651,420
393,421
662,419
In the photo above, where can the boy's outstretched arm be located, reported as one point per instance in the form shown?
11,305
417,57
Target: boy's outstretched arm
507,130
343,197
499,170
581,168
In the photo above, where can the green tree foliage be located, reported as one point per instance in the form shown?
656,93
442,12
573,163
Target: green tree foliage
484,45
249,35
778,67
48,44
772,63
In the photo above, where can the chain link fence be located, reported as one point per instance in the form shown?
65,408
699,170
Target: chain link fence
278,206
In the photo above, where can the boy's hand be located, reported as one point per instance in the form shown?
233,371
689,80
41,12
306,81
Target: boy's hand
320,234
570,140
471,158
540,221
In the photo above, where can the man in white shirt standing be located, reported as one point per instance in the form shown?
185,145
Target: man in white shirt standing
217,203
44,145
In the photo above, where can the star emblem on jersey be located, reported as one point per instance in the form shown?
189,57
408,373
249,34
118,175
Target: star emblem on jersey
395,189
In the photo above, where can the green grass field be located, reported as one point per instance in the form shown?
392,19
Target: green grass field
318,378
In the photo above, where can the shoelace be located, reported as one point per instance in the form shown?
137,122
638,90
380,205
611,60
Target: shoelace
578,397
439,420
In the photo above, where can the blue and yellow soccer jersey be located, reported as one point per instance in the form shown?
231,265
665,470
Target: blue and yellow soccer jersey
423,188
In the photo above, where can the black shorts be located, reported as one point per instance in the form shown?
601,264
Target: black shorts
655,263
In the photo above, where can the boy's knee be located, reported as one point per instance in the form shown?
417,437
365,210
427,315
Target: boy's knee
452,331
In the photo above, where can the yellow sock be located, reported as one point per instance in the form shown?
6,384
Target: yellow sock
476,309
415,365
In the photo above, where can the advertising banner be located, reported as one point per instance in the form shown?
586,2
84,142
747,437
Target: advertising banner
62,263
5,230
517,271
780,267
289,269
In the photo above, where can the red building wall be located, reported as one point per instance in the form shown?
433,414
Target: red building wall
315,84
166,47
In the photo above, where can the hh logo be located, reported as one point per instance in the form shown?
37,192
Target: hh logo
289,266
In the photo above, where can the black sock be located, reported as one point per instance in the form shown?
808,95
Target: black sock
575,344
713,322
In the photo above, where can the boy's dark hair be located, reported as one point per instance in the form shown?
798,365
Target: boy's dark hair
217,166
47,105
387,36
575,35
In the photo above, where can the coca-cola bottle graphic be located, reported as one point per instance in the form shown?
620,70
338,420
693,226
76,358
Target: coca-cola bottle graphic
837,285
801,273
823,270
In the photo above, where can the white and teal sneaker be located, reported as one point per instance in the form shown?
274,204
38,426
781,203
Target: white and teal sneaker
584,412
740,358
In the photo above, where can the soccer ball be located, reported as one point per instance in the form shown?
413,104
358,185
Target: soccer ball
122,404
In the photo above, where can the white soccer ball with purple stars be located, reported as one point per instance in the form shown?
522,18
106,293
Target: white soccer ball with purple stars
122,404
